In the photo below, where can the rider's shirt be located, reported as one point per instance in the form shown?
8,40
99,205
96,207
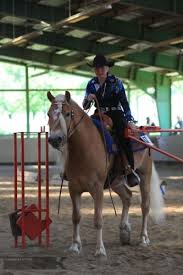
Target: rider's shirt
110,94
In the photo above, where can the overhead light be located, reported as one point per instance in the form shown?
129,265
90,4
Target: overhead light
78,33
171,41
83,14
105,39
90,57
72,19
18,41
123,63
41,25
108,6
177,40
117,54
26,37
140,46
64,51
172,74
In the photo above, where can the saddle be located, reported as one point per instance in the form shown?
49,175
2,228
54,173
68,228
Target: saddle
121,165
107,121
120,159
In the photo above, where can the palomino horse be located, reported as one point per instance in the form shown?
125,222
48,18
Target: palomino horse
73,133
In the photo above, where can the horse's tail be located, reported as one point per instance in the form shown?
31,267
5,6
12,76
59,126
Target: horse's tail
156,197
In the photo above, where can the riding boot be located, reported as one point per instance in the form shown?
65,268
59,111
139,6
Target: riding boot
133,178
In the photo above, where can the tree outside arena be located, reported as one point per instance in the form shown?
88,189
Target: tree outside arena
24,105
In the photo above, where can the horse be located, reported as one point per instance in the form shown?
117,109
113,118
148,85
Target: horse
86,166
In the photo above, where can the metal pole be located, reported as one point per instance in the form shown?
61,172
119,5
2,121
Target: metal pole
23,188
39,184
47,190
150,129
15,178
156,149
27,96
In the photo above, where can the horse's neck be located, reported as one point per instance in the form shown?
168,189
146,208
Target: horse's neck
84,134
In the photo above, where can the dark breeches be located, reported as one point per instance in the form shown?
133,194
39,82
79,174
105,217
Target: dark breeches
119,125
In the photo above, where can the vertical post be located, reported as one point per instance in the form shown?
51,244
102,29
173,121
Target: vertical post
15,177
23,188
27,97
39,183
163,101
47,190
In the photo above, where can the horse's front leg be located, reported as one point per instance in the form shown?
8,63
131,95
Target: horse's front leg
145,203
76,203
98,219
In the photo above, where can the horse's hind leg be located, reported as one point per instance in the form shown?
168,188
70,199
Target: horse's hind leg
76,241
145,182
125,195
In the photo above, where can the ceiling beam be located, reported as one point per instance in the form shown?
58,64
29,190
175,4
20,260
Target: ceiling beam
161,60
32,10
53,14
171,7
61,41
141,78
130,30
38,57
51,60
104,25
145,58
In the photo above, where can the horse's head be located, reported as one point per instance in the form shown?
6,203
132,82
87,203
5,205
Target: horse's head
60,117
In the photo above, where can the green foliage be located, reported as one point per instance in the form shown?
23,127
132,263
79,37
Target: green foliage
12,76
12,103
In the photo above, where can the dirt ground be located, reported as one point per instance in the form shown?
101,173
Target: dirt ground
163,256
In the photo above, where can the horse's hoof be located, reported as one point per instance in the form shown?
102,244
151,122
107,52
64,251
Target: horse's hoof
100,252
145,241
75,248
125,234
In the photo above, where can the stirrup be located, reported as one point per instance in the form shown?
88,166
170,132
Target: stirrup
133,179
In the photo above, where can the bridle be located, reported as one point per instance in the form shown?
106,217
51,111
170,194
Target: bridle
70,131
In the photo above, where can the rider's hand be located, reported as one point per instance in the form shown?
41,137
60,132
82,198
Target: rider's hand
91,97
132,126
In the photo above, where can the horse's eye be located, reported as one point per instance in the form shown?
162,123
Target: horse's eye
67,114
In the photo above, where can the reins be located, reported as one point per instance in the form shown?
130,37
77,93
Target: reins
69,135
77,124
70,132
105,146
103,134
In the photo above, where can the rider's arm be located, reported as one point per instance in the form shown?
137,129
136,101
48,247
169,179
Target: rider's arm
88,98
124,102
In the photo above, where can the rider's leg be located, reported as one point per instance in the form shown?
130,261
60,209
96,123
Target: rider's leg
120,124
132,178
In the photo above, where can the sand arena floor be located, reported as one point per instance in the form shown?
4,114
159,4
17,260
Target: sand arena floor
163,256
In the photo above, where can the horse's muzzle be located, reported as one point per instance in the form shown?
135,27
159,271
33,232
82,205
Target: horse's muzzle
56,141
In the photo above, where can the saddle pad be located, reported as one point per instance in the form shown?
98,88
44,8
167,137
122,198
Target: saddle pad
112,146
108,138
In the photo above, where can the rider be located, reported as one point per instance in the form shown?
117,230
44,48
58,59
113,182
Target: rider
110,93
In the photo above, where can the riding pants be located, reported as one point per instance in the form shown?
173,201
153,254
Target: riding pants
119,125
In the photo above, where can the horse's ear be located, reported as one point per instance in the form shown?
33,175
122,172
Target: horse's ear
67,96
50,96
